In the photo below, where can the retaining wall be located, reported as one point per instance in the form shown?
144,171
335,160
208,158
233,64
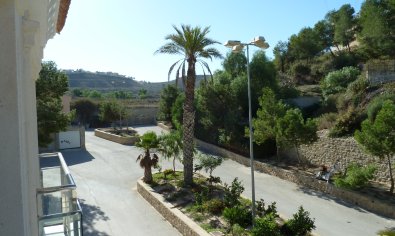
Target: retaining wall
326,151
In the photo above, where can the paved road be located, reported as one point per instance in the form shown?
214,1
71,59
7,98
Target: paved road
106,175
332,217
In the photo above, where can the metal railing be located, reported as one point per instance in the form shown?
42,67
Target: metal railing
59,211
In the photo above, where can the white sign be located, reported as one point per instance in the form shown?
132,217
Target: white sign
69,139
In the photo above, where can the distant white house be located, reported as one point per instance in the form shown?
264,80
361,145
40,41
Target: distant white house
25,28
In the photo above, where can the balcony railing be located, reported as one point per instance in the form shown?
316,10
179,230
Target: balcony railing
59,209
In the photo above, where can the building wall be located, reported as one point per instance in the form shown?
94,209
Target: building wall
23,35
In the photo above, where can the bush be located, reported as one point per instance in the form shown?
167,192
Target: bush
232,193
238,215
265,226
237,230
337,81
300,224
201,197
356,177
262,211
214,206
347,123
375,105
326,121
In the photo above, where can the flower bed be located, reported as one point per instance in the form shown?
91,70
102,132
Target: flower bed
125,136
220,209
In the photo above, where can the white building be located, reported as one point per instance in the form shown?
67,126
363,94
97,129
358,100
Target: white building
25,28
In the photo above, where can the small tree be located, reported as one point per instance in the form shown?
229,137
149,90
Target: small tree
50,87
148,141
85,109
378,136
167,98
265,124
293,130
111,111
208,163
170,145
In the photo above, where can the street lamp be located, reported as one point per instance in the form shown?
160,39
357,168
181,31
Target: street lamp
237,47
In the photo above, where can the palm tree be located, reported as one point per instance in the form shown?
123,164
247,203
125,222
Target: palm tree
148,141
170,145
192,44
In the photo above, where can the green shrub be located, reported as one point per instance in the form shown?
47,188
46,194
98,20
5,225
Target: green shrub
167,172
347,123
326,121
237,230
265,226
238,215
356,177
300,224
358,86
337,81
201,197
375,105
232,193
214,206
300,69
389,232
261,210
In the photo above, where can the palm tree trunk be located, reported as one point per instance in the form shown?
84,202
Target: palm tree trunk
391,176
147,167
189,124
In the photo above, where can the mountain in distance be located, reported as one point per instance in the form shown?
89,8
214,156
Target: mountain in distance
110,81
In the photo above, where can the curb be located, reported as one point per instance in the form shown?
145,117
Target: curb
180,221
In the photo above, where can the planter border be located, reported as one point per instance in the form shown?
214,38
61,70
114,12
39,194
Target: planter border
179,220
116,138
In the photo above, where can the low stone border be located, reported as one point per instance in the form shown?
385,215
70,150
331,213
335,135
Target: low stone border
300,178
181,222
101,133
163,126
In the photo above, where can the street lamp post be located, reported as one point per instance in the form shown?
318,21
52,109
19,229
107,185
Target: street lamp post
238,46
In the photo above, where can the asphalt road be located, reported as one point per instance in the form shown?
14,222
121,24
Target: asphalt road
106,182
106,176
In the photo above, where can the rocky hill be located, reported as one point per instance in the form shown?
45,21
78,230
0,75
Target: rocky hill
109,81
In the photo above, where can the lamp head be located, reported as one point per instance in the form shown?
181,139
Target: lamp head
237,48
232,43
260,42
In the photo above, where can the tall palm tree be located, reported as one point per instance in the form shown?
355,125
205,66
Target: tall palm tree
192,44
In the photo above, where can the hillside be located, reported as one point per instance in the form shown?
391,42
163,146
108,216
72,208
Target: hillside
109,81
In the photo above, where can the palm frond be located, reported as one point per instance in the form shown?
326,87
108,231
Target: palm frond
170,48
171,69
207,67
204,71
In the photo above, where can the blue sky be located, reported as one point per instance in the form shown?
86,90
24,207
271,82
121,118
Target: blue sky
122,35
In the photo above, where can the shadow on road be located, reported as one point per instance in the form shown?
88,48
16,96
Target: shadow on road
76,156
331,198
92,215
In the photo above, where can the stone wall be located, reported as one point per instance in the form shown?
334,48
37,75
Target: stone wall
101,133
307,180
181,222
326,151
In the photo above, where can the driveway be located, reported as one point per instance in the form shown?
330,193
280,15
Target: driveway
106,176
106,182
